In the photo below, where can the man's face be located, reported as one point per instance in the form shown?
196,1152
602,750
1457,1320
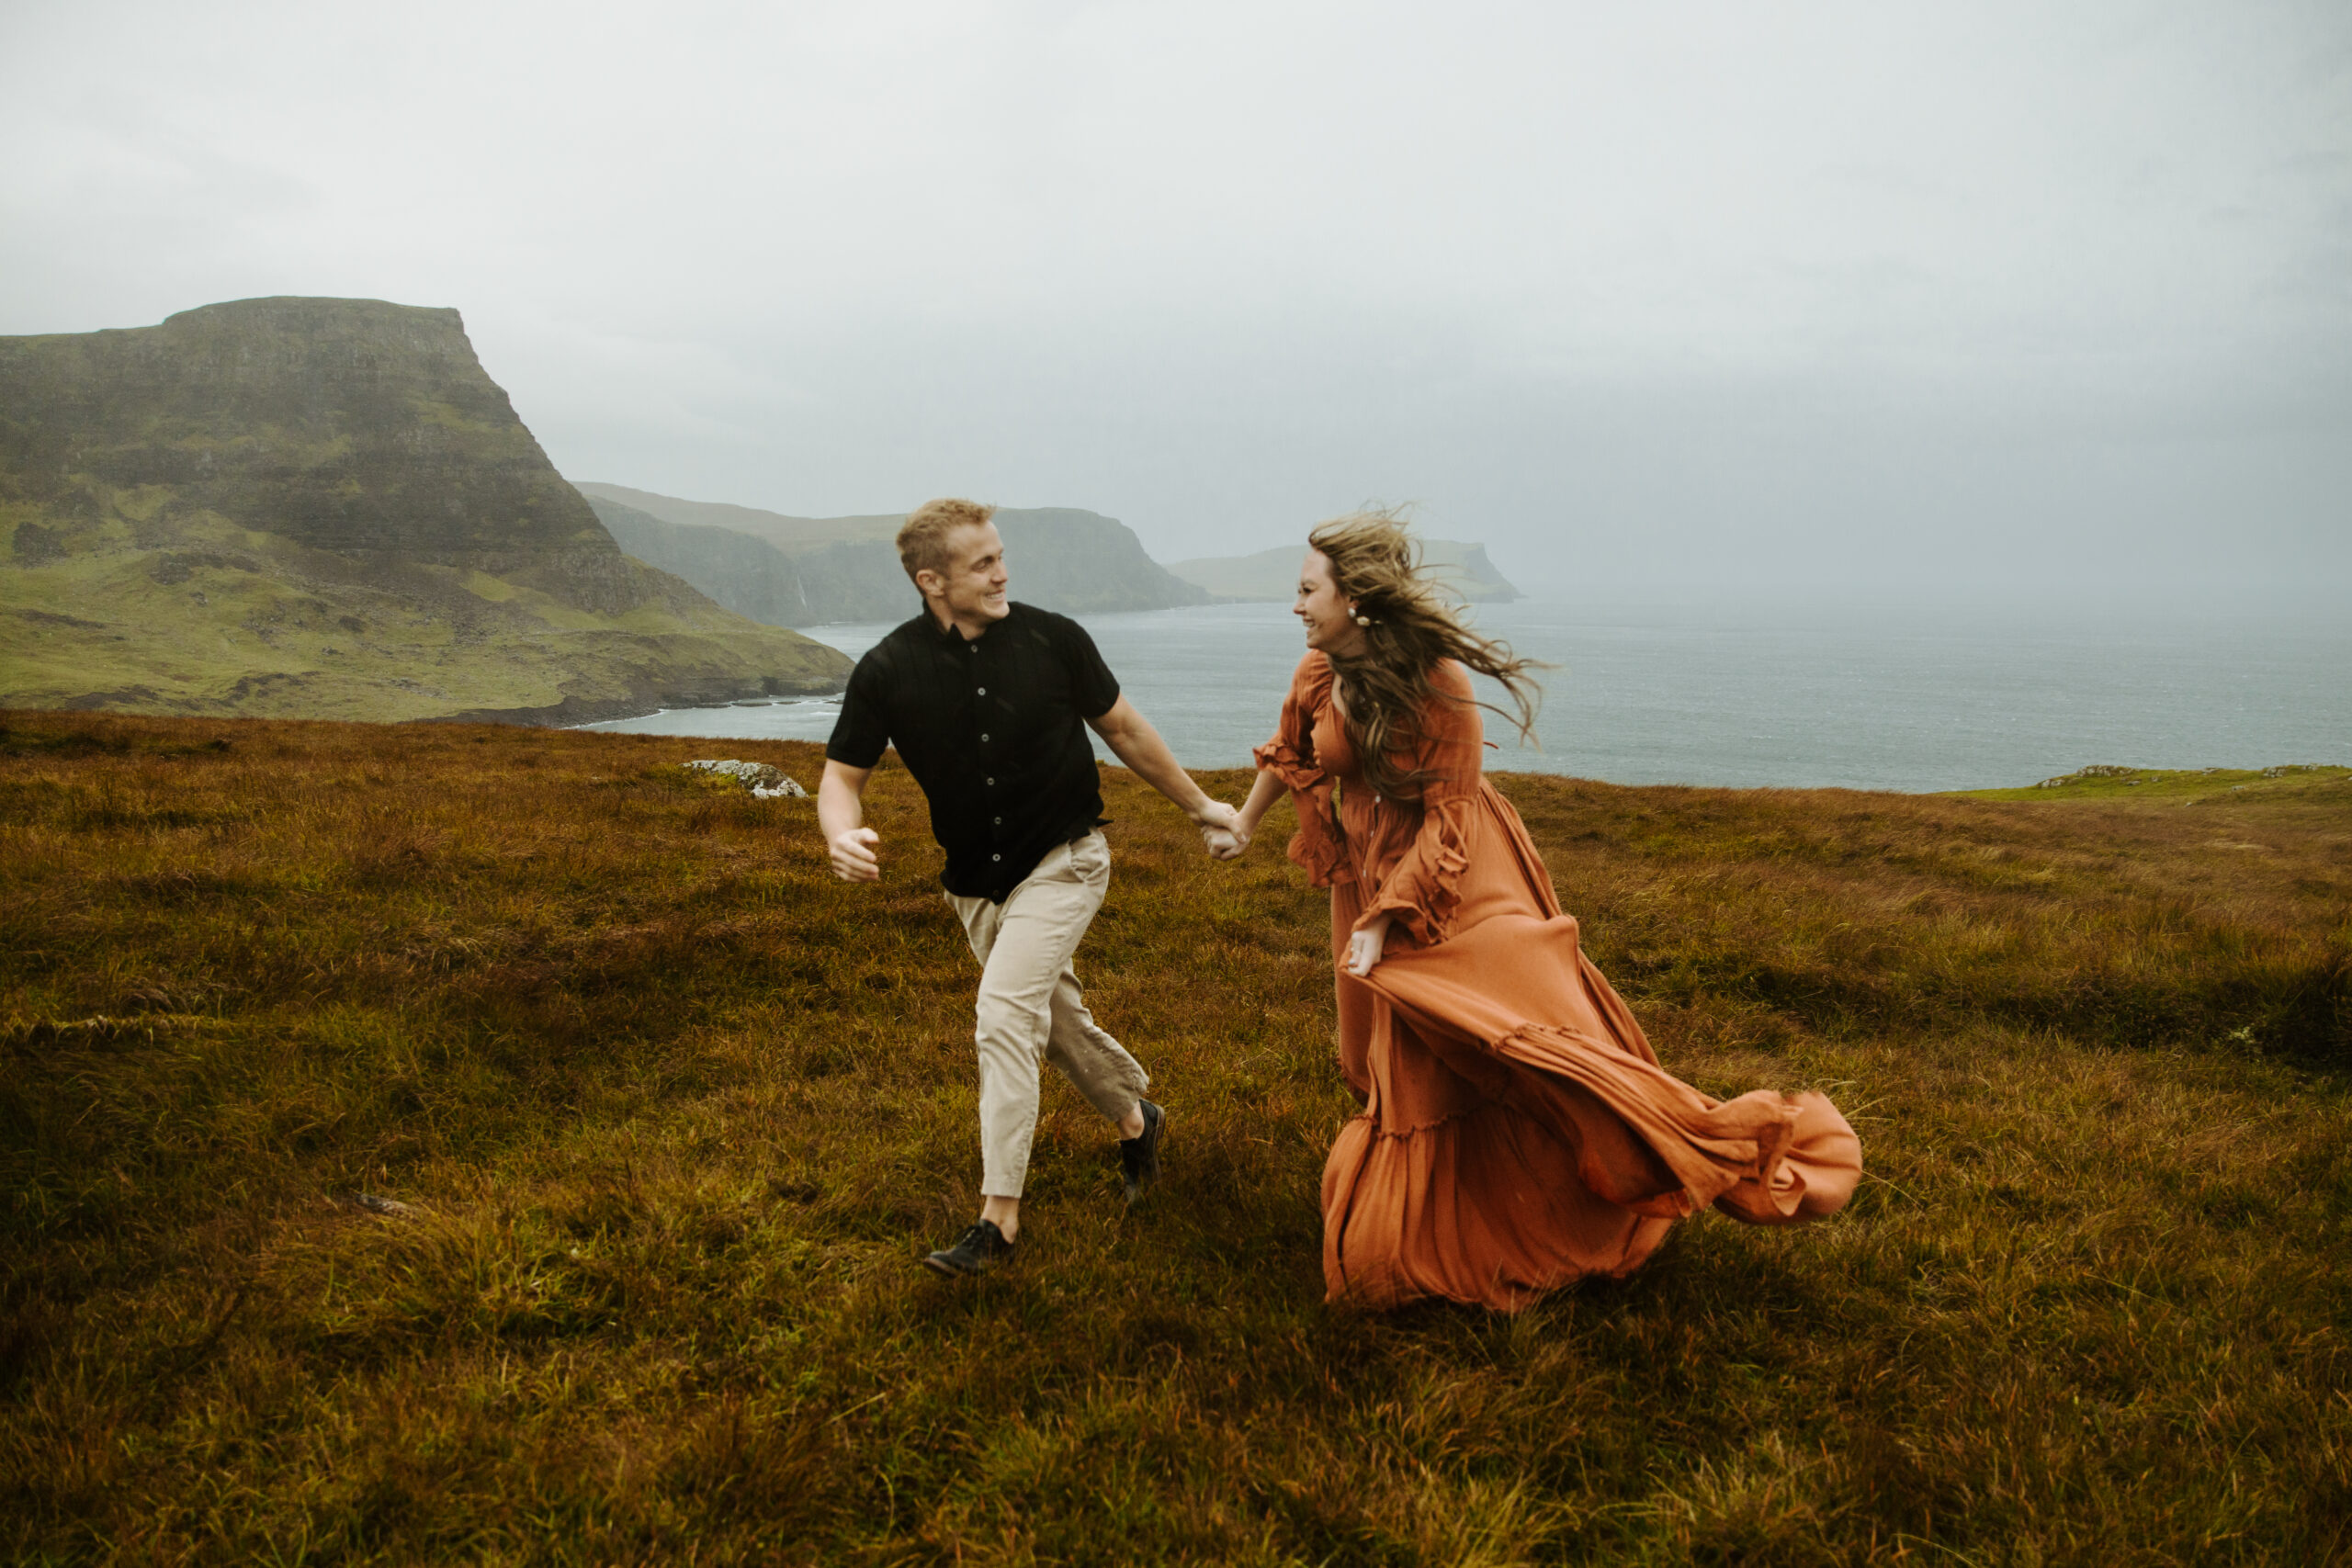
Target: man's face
973,585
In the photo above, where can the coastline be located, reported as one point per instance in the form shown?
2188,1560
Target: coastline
1878,698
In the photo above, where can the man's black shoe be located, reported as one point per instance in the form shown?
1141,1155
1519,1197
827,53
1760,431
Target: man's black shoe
1139,1155
981,1248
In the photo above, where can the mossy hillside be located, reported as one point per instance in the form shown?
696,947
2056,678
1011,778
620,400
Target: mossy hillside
326,508
674,1114
231,620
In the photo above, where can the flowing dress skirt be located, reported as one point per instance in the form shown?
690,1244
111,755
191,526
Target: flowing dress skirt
1517,1131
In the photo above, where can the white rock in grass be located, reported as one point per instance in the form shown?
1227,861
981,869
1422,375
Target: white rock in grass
765,780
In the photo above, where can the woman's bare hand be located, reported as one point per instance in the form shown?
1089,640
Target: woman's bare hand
1363,947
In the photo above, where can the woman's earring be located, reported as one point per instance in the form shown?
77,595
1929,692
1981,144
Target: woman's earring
1364,620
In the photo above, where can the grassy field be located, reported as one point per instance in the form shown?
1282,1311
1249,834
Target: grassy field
653,1118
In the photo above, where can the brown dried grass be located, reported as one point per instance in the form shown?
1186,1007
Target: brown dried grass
674,1112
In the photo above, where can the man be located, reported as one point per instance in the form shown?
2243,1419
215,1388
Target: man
984,699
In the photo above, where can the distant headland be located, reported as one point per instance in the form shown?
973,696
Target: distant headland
806,572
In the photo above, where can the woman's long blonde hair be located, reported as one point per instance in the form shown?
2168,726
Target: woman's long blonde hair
1415,623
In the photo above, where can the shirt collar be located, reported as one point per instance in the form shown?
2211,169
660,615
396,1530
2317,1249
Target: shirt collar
948,637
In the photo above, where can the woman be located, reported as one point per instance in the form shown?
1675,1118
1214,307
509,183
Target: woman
1517,1131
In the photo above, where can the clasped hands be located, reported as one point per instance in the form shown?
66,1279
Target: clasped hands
1221,833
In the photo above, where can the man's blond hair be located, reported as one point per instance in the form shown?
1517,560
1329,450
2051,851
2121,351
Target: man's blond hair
922,540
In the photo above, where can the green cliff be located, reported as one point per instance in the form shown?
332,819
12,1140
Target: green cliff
805,571
325,508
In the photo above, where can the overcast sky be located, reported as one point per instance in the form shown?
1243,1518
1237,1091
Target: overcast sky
1874,295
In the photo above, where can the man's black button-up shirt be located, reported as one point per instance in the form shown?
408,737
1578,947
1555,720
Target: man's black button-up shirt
993,730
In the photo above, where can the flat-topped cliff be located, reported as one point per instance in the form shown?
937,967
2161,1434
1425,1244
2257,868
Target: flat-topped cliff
341,424
313,507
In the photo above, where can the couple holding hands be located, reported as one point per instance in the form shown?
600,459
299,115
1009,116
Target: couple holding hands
1517,1132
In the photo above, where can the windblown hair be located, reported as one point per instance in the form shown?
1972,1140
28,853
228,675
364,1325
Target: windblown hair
922,539
1416,622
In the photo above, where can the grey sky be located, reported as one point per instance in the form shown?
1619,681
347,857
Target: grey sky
1856,293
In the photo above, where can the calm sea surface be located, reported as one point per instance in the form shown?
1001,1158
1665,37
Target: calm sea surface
1882,698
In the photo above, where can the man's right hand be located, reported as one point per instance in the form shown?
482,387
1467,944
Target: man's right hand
855,856
1215,814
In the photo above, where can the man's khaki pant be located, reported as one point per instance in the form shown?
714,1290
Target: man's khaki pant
1031,1007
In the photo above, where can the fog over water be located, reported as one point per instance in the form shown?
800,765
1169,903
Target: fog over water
2005,298
1899,697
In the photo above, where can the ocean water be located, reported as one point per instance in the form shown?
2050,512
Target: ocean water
1891,697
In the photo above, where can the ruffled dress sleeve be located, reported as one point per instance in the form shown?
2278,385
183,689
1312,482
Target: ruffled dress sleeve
1317,846
1422,892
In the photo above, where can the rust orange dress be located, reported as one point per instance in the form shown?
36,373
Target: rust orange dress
1517,1131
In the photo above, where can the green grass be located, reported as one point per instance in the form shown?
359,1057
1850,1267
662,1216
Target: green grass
2189,785
224,620
674,1114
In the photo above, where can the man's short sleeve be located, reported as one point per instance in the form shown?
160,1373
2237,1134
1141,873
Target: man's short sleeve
863,731
1092,687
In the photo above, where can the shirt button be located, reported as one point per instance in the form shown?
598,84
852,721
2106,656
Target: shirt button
984,739
998,820
992,781
984,691
996,857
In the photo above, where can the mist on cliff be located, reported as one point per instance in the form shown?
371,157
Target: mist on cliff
1853,298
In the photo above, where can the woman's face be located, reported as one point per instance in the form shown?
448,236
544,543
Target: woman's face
1328,616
